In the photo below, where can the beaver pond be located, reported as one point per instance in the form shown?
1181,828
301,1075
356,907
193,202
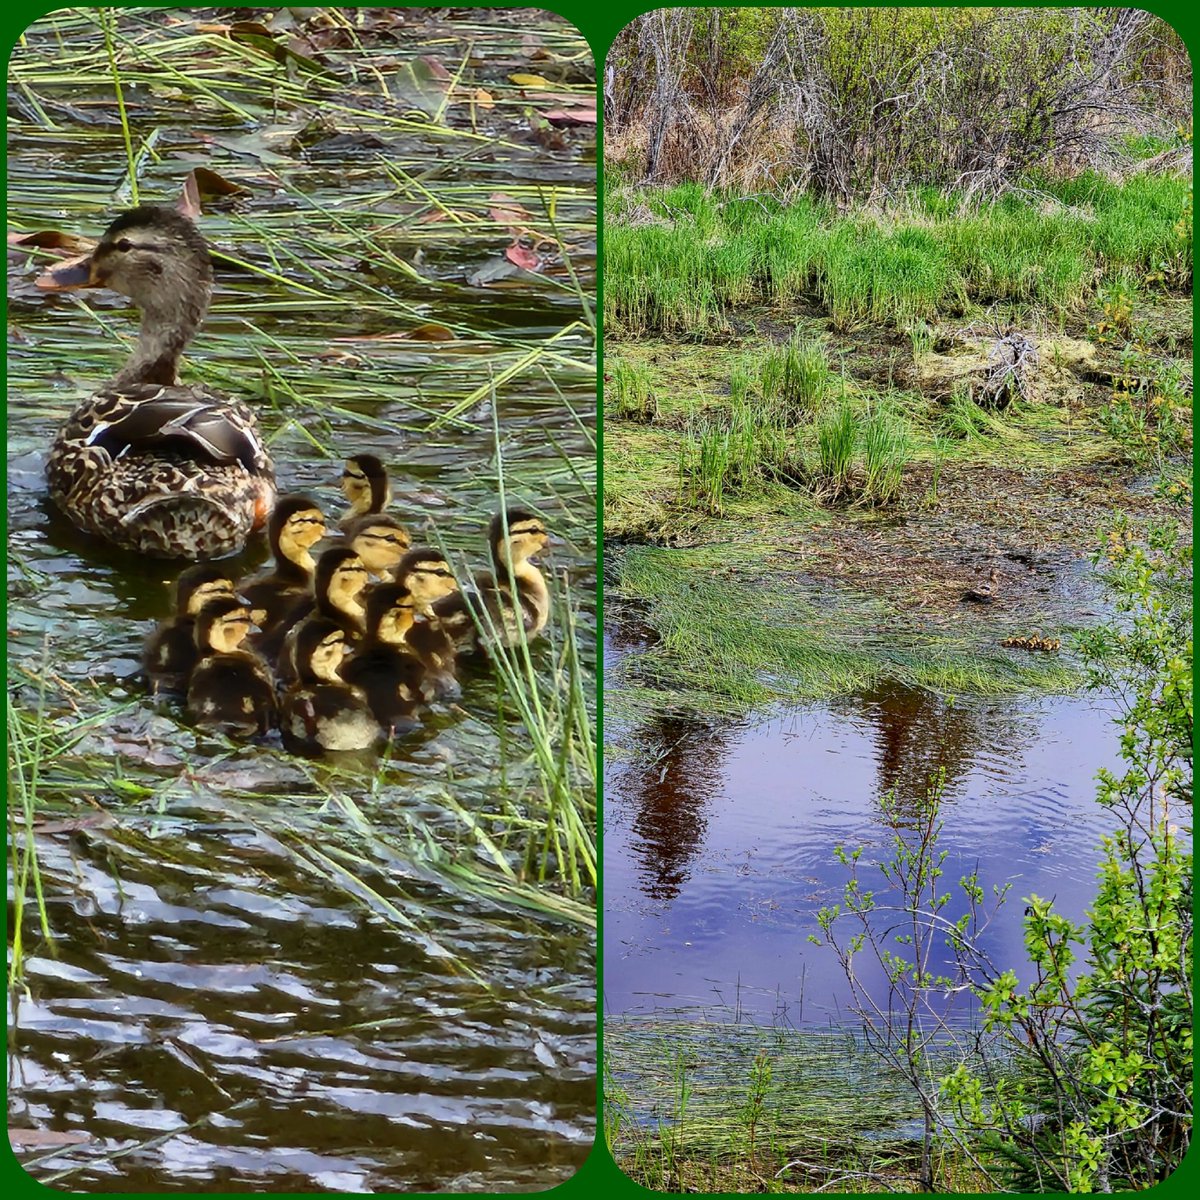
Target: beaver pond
231,968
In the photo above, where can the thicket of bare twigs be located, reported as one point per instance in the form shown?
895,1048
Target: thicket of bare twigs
856,103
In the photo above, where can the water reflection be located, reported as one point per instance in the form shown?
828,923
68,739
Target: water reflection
670,790
720,841
920,736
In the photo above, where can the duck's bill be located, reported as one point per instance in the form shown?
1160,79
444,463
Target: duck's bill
74,273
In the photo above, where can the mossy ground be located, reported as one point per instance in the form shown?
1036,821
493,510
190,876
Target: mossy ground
783,597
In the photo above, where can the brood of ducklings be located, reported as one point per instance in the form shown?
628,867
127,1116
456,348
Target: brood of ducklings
297,524
1033,642
231,690
170,652
153,466
985,593
379,540
321,711
365,485
383,666
515,599
337,589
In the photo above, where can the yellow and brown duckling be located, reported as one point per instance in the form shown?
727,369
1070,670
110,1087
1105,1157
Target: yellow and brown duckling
151,465
170,652
320,710
383,665
427,575
984,593
338,585
380,540
231,690
365,485
297,524
513,600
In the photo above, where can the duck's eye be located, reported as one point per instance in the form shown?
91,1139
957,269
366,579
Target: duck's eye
124,244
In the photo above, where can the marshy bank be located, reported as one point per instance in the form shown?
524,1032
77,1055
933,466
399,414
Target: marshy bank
819,419
229,966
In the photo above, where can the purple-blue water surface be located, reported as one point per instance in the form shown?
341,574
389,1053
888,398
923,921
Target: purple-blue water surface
719,839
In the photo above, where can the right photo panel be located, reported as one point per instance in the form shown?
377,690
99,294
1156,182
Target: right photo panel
898,662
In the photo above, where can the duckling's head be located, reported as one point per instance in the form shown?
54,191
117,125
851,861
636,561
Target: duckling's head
152,254
320,649
527,536
365,484
222,626
380,541
427,575
390,612
196,586
297,524
340,578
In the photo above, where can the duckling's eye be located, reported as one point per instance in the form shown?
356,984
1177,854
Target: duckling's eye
124,244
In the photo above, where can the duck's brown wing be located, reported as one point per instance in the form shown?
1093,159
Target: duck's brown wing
154,420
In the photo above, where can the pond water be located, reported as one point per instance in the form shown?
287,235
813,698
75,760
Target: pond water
719,838
268,973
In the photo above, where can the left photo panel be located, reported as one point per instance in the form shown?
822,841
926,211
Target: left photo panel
302,599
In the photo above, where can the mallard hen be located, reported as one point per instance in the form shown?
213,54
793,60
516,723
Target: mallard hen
146,462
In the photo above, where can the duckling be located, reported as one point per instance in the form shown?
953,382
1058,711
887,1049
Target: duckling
985,593
383,665
147,463
365,484
337,586
297,524
170,652
379,540
515,597
321,711
230,690
428,577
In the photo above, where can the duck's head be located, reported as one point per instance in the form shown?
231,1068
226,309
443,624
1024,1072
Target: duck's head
222,626
380,541
365,484
390,612
297,524
340,577
320,649
427,575
526,536
155,256
196,586
152,254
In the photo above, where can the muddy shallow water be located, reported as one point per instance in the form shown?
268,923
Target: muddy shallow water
267,973
719,838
